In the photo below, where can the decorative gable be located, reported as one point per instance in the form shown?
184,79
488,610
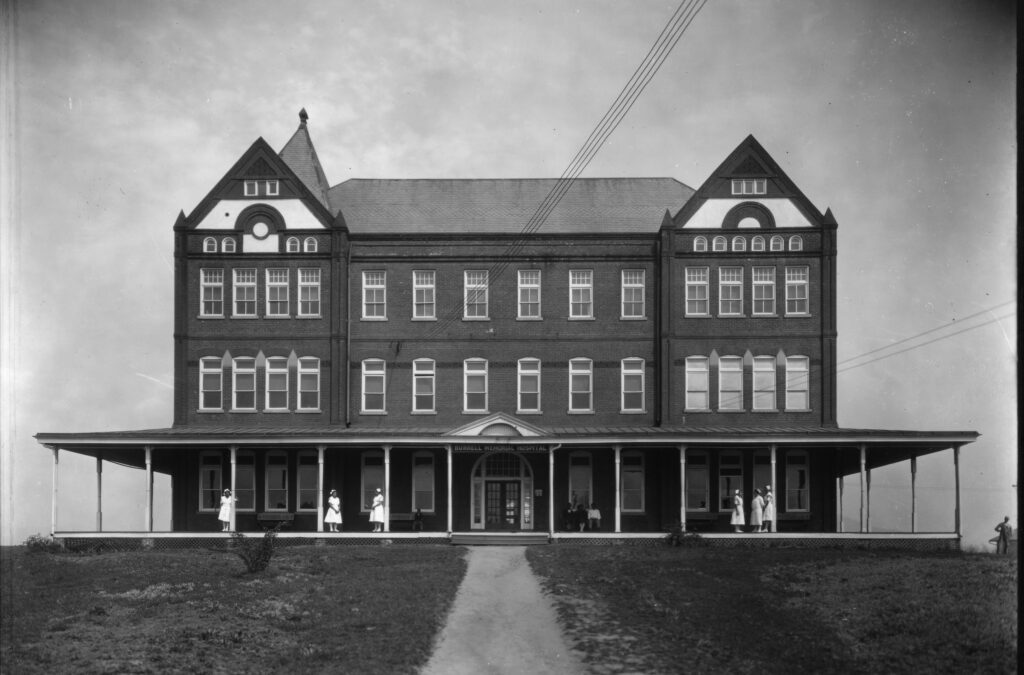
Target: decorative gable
498,425
260,169
749,167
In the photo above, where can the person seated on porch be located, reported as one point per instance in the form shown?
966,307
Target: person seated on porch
594,516
333,517
226,504
737,521
417,521
581,517
568,517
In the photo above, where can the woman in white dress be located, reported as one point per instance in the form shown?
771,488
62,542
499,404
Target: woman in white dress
756,508
226,504
737,521
377,512
769,510
333,517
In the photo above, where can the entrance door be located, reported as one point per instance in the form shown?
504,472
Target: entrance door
502,499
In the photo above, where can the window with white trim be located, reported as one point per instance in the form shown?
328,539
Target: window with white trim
212,290
528,378
739,244
730,383
375,295
245,481
371,477
475,294
273,188
424,286
277,383
697,383
796,243
291,245
581,294
244,293
700,245
797,380
697,480
749,186
211,383
757,243
309,245
309,292
423,481
631,478
777,243
307,478
581,478
764,383
697,291
581,385
243,373
255,188
730,478
227,245
632,378
209,245
276,482
730,291
373,376
529,294
764,291
277,292
250,188
796,291
211,474
719,244
309,383
633,291
797,481
423,373
474,385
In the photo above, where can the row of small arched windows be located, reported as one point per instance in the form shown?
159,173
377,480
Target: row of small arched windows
229,245
776,243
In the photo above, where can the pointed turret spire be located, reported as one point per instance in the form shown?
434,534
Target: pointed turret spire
300,155
303,117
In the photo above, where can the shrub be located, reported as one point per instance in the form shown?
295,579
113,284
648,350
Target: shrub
41,544
677,536
255,553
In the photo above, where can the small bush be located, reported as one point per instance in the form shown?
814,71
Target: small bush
255,553
40,544
677,536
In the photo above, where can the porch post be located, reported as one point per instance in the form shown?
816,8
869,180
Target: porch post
956,473
319,488
149,488
863,463
913,492
53,497
682,487
551,490
234,486
775,494
448,451
99,493
618,488
867,503
839,502
387,488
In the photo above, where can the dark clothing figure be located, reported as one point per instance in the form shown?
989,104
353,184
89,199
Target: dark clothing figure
1005,532
581,517
568,518
417,521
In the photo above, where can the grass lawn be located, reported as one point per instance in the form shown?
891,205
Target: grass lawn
314,610
701,610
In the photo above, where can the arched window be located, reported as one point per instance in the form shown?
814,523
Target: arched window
739,244
757,243
777,243
209,245
292,245
719,244
796,243
228,245
700,245
309,246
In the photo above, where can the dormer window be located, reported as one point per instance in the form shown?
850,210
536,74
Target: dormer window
292,245
228,245
749,186
209,245
757,244
309,245
739,244
719,244
777,243
267,188
700,245
796,243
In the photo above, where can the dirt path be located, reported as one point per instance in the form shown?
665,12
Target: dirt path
501,621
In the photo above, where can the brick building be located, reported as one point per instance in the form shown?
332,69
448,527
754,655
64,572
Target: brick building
489,352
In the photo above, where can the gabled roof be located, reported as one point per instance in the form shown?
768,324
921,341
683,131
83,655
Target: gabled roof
506,206
299,154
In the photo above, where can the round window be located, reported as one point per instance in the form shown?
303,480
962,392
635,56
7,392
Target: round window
260,230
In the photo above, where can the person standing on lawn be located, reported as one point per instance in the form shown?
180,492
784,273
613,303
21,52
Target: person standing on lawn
737,521
227,502
1005,532
756,509
769,510
333,517
377,512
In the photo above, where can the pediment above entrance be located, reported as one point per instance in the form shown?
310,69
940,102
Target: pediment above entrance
498,425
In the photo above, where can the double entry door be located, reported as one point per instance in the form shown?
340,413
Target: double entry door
502,504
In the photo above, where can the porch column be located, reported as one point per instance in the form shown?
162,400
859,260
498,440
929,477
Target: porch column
956,474
867,503
149,488
682,487
387,488
234,485
839,502
551,490
863,464
913,492
448,451
53,497
319,488
618,488
99,494
775,495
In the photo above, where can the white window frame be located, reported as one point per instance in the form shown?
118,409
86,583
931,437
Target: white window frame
698,279
309,245
798,302
762,300
526,284
634,284
475,295
475,369
375,282
633,462
700,245
278,279
309,374
276,366
528,369
307,459
236,371
215,467
730,383
799,460
267,504
777,243
244,293
719,244
227,245
581,294
796,243
730,291
581,367
764,384
697,463
209,366
698,368
424,370
375,369
749,186
630,369
272,188
424,295
209,245
211,295
250,189
798,383
730,478
420,467
757,244
309,292
242,487
292,245
739,244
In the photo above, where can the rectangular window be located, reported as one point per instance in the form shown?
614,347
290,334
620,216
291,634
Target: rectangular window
277,292
797,489
373,386
796,291
474,385
581,294
633,286
245,481
475,294
423,385
581,381
632,385
697,291
797,377
696,481
212,283
632,488
697,386
277,383
529,294
730,383
423,289
764,383
730,479
309,383
730,291
375,295
276,477
244,374
250,188
764,291
273,188
749,186
245,293
372,478
423,482
211,383
529,385
580,479
309,292
308,475
210,475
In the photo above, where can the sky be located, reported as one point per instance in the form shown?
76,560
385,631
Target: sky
898,115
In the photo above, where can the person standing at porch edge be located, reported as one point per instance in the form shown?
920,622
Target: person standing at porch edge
756,509
737,521
333,517
594,516
1004,530
377,512
227,502
769,510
